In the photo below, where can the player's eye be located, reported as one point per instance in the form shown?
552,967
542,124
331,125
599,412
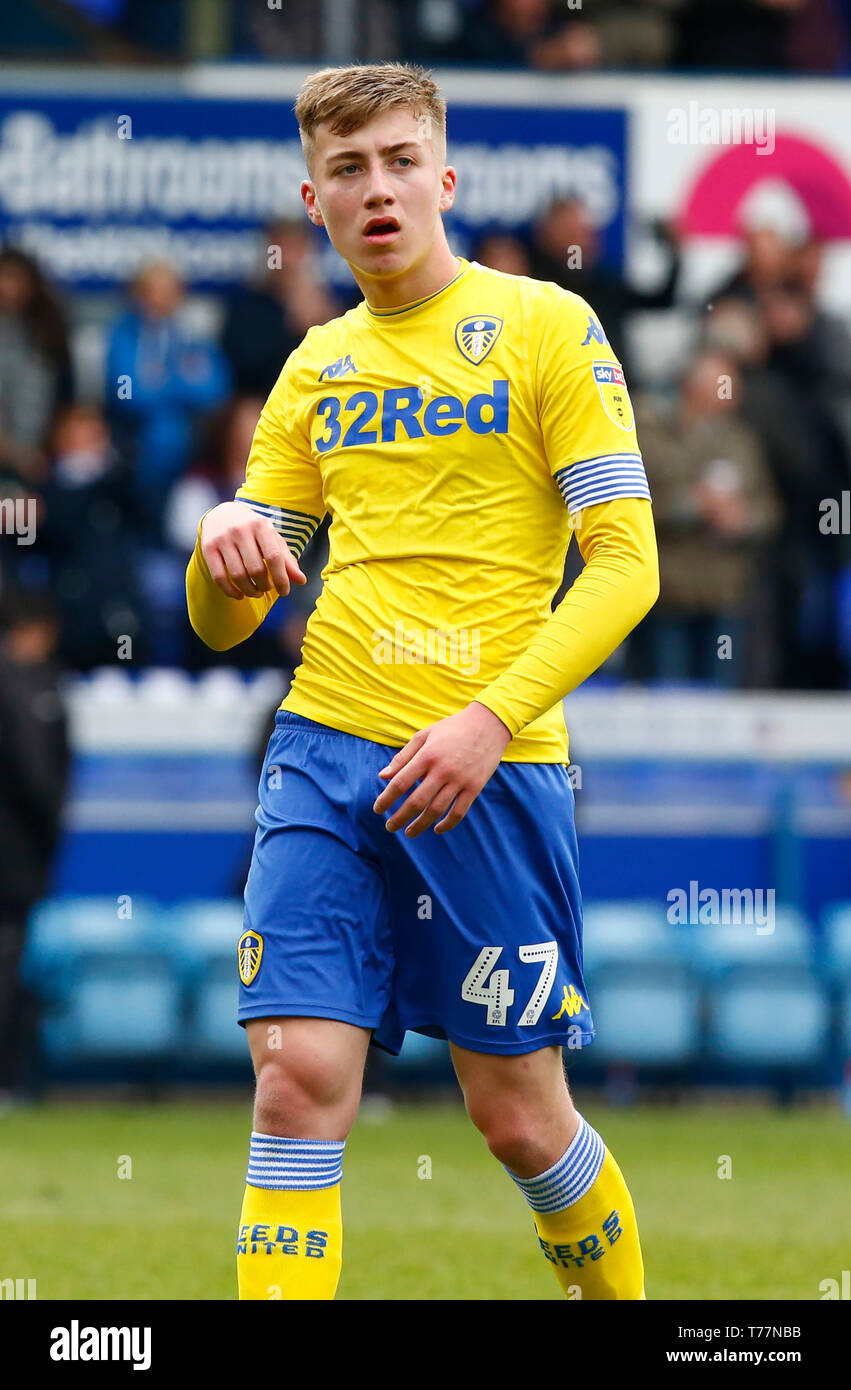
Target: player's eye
345,169
404,159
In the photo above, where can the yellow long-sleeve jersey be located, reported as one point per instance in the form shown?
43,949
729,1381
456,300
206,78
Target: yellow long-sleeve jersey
455,442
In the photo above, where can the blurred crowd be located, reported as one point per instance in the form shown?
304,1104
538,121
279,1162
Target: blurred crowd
747,446
745,442
103,492
554,35
560,36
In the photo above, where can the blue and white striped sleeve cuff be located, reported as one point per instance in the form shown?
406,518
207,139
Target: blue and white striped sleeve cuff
295,527
602,479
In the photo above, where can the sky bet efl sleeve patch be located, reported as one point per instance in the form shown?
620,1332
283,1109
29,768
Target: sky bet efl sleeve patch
587,419
611,385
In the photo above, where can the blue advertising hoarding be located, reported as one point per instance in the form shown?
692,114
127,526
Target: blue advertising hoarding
93,186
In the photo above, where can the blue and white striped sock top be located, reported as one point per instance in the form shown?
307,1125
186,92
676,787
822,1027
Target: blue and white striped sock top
294,1164
570,1178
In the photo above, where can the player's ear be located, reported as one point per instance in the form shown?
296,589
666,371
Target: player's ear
311,202
447,197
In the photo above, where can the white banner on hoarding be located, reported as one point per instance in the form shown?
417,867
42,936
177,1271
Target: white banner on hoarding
721,154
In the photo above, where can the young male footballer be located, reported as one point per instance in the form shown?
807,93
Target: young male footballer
456,426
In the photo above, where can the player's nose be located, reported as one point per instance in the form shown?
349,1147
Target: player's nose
378,188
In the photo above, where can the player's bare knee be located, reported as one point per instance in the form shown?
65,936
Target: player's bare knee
303,1095
518,1143
506,1130
517,1132
493,1107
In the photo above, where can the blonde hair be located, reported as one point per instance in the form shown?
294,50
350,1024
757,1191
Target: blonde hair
346,98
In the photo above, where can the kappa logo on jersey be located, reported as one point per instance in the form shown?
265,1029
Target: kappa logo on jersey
571,1002
611,385
249,953
405,406
594,333
338,368
476,335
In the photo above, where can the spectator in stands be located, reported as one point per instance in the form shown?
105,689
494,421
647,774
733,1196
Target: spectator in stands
566,249
827,344
160,380
736,35
819,35
715,508
34,766
265,323
791,409
297,33
87,535
21,566
551,36
528,34
35,364
634,33
219,472
502,251
814,384
430,33
769,264
804,383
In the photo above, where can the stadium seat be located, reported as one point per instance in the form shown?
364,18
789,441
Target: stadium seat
105,686
844,1028
625,931
769,1016
645,1014
202,937
264,688
61,929
213,1036
204,929
165,687
120,1007
837,941
718,948
220,686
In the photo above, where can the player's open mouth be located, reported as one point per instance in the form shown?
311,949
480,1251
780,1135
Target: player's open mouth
381,230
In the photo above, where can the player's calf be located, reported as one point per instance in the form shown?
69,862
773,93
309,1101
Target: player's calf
585,1221
309,1074
584,1216
520,1104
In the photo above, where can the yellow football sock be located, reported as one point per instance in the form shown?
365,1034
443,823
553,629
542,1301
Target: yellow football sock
290,1242
585,1221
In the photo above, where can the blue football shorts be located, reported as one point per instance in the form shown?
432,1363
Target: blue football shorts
474,935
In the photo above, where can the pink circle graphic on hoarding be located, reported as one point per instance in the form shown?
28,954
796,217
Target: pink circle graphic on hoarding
712,205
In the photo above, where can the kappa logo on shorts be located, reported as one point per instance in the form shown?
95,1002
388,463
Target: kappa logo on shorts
249,953
571,1003
476,335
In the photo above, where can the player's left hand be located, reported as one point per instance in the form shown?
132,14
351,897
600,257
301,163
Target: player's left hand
452,760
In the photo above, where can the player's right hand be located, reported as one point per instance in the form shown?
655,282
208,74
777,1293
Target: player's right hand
244,553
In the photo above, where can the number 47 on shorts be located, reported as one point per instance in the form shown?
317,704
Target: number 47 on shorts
496,993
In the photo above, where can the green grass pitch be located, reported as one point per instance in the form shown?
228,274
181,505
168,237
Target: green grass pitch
774,1229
